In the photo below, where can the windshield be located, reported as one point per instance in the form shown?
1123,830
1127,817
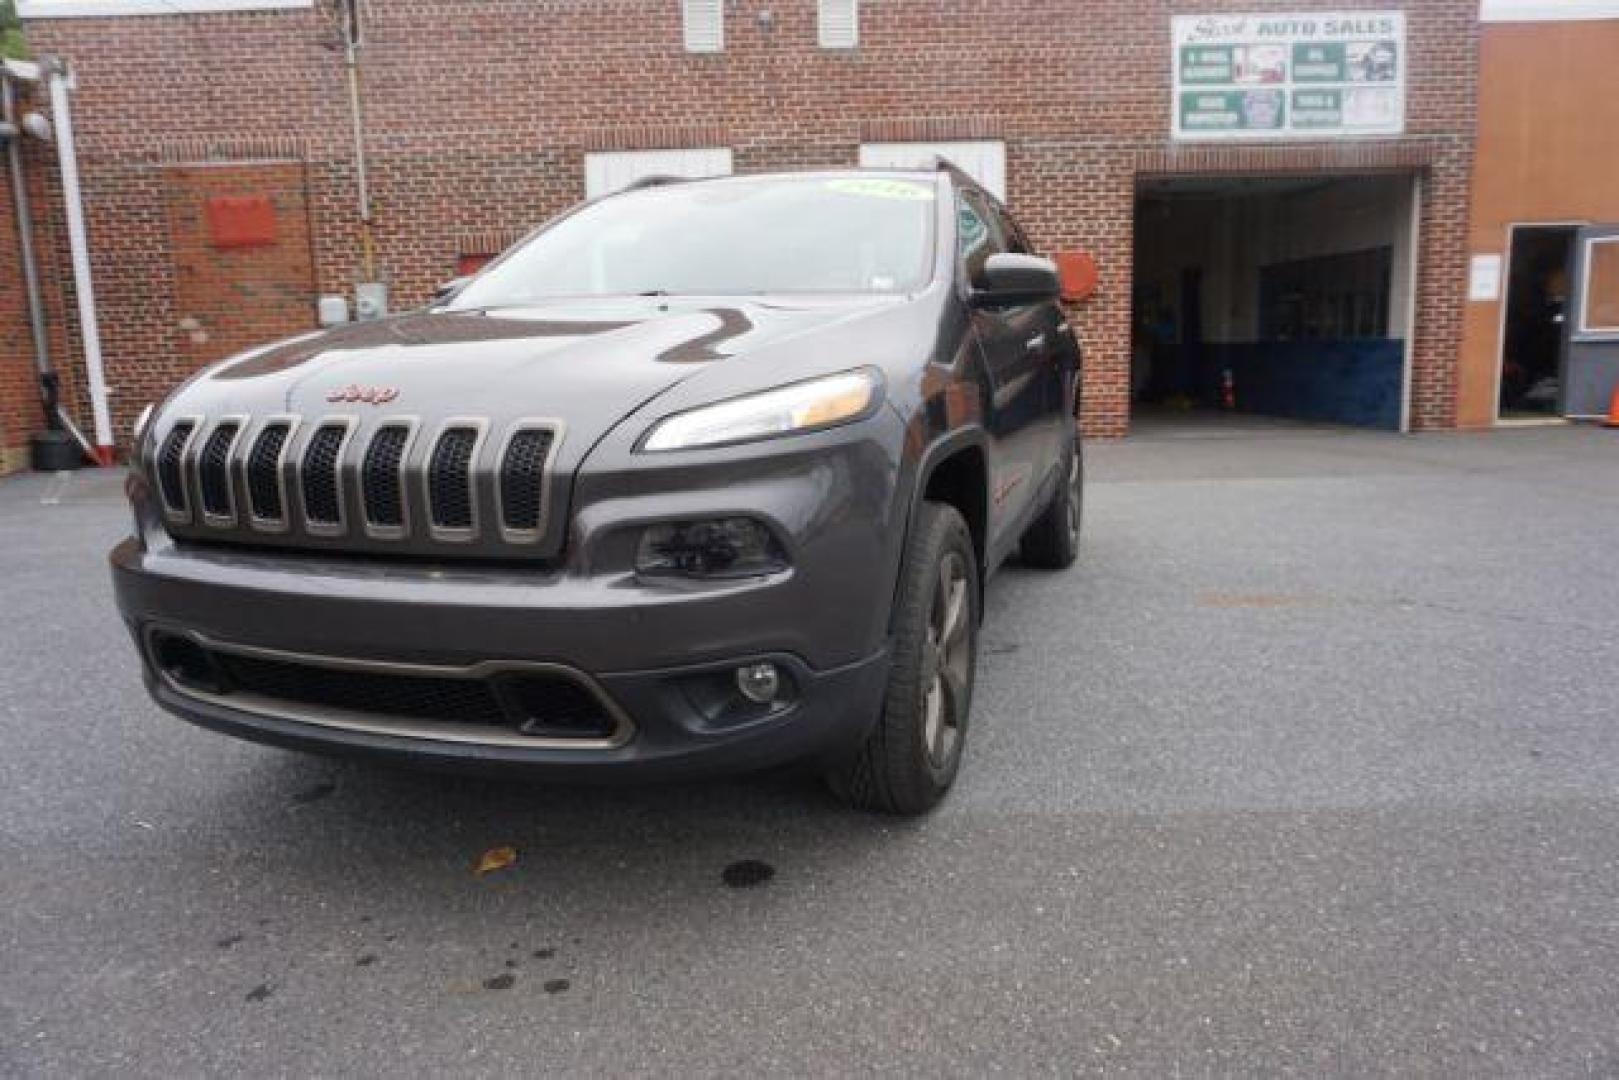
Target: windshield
849,234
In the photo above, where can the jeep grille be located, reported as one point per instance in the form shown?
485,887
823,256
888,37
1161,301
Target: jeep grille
464,487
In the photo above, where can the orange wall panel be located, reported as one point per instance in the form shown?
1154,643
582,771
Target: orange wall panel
1547,151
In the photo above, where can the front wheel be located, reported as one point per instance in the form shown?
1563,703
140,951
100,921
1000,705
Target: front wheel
911,757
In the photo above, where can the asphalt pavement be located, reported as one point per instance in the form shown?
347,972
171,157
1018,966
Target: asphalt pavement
1311,767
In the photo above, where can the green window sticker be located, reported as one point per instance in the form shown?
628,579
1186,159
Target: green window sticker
875,187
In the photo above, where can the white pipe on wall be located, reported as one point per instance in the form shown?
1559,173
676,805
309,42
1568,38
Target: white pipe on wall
79,245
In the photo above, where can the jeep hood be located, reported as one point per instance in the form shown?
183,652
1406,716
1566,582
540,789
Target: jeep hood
587,363
580,367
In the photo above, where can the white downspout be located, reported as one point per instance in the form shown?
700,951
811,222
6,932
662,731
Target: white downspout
67,155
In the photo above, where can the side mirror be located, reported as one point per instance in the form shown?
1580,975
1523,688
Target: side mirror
1016,279
449,288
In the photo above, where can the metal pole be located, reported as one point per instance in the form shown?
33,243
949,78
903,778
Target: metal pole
351,61
25,248
79,245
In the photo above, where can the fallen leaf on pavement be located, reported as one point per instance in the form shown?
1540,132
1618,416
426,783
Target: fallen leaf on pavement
496,859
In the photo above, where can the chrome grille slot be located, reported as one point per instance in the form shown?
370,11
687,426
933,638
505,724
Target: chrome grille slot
213,471
320,482
522,476
449,480
264,473
171,468
381,481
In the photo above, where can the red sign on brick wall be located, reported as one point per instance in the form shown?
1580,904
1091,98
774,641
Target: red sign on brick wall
236,221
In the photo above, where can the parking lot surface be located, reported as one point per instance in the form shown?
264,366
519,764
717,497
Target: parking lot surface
1311,766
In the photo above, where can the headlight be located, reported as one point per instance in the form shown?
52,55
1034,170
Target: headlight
138,433
721,548
139,430
787,410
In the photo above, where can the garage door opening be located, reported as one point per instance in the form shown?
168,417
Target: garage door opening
1282,297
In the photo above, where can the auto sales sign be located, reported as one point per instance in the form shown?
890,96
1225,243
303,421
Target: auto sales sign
1277,76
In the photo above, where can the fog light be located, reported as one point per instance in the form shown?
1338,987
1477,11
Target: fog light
759,683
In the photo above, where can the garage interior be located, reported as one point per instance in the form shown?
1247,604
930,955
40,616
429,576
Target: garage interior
1285,297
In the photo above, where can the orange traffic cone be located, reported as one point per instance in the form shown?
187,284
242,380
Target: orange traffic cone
1613,409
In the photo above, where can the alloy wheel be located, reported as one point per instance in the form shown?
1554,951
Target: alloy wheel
947,661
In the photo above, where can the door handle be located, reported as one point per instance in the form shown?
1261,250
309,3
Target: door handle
1036,344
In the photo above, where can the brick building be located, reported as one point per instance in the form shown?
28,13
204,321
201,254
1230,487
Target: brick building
1095,118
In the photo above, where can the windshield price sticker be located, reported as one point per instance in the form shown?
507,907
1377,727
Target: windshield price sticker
1289,76
878,188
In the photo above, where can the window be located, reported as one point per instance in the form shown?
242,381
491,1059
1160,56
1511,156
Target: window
87,9
745,237
1538,10
978,233
1599,313
984,161
613,171
840,24
703,22
1326,298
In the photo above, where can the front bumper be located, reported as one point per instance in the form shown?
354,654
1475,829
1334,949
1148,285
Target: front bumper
379,619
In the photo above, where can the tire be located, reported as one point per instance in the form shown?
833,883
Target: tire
911,757
1052,542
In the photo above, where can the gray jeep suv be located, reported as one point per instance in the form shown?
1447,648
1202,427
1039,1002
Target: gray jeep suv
703,476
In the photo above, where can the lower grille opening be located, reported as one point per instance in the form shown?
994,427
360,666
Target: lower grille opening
523,703
187,663
555,708
415,697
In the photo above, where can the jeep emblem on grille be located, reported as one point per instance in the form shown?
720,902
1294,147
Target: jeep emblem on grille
370,395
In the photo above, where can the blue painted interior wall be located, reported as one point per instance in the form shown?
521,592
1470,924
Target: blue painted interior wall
1355,381
1344,382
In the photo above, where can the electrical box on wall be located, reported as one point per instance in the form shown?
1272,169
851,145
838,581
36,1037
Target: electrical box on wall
239,221
332,310
370,300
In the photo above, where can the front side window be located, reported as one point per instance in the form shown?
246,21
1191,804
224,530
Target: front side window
726,238
978,233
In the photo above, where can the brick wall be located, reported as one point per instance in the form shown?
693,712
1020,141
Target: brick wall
479,117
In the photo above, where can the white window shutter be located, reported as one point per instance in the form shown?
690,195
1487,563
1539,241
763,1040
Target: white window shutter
984,161
840,24
614,170
703,22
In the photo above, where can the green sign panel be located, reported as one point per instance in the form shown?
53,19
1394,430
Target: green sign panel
1318,109
1288,74
1232,110
1207,64
1319,62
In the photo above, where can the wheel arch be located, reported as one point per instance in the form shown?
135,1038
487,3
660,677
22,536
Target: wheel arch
955,471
